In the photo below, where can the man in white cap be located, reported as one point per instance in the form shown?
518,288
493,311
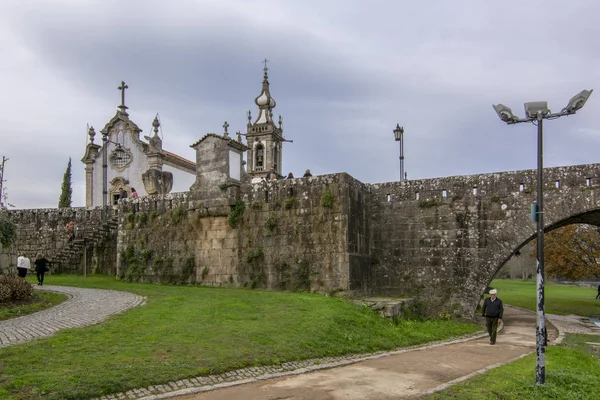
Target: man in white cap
492,312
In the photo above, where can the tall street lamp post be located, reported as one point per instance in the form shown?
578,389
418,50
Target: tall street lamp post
104,167
536,112
399,136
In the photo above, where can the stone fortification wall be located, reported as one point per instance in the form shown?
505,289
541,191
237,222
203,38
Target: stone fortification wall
444,239
43,231
288,234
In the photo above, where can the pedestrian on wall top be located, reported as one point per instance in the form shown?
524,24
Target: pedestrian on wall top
307,174
492,312
134,194
271,175
41,267
23,265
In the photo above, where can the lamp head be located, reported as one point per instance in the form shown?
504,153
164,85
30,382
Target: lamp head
577,101
505,113
534,108
398,132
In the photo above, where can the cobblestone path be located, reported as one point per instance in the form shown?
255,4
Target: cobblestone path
83,308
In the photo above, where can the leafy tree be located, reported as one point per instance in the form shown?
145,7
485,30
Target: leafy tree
572,252
66,189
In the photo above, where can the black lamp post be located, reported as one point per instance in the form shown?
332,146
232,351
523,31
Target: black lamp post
536,113
399,136
104,167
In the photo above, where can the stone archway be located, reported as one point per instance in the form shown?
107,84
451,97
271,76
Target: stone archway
116,185
443,240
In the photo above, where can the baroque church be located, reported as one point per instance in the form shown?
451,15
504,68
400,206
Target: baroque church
125,161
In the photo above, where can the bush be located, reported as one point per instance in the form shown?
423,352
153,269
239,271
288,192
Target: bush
14,288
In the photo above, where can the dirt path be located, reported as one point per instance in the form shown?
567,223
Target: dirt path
396,376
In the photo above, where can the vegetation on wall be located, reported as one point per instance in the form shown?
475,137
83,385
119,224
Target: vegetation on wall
188,270
271,223
293,275
327,198
8,232
255,262
143,220
131,220
177,215
236,213
289,202
132,269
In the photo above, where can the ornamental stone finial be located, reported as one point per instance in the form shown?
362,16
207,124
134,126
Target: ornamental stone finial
92,133
156,124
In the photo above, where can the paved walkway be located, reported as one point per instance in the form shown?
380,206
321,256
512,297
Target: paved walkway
395,375
83,308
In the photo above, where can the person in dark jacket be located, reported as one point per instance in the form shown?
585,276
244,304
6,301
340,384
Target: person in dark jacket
492,312
41,267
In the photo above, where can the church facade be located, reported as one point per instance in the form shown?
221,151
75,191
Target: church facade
124,161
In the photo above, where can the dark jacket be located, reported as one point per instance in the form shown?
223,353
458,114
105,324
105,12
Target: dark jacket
492,308
40,264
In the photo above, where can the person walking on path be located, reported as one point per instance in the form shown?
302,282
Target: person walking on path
492,312
598,295
23,265
41,267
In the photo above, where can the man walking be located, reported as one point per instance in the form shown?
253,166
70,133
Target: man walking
492,311
598,295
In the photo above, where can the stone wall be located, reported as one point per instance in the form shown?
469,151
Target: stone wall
292,234
440,240
42,231
444,239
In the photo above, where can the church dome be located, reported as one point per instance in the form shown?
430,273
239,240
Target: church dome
263,100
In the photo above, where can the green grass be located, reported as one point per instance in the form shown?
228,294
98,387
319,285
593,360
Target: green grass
572,372
187,331
39,301
559,299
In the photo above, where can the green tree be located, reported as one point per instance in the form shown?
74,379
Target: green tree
66,190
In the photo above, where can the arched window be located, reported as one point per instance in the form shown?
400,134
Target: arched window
260,157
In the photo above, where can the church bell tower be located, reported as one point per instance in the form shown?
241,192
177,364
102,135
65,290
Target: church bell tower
264,137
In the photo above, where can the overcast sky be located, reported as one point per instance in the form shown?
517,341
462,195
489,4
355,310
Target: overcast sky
343,74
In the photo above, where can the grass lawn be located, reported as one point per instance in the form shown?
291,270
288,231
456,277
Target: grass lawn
39,301
572,372
187,331
559,299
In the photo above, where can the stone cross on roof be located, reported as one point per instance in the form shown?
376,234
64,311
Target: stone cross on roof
225,126
265,68
122,88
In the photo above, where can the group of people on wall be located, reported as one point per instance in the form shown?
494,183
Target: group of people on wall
40,264
272,175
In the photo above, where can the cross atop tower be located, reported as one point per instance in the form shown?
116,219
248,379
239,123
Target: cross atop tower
265,68
122,88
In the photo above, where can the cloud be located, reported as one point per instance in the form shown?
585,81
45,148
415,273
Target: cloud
343,74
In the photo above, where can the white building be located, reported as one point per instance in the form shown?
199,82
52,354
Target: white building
124,161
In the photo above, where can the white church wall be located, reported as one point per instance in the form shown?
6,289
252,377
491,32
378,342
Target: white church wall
133,173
